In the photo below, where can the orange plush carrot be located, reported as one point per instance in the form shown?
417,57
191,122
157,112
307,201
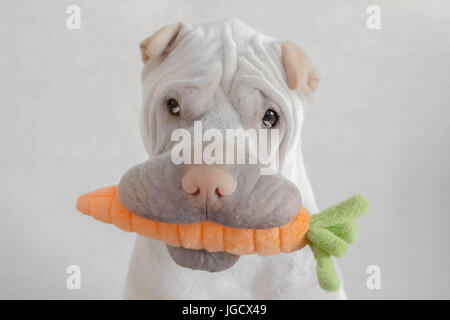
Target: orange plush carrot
104,205
328,232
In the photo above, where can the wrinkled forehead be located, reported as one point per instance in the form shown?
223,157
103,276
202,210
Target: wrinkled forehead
229,54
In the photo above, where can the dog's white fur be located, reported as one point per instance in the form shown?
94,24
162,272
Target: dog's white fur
154,275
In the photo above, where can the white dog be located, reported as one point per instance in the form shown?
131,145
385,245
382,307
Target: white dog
228,75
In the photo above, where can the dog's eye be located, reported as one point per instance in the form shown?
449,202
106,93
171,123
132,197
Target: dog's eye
173,106
270,118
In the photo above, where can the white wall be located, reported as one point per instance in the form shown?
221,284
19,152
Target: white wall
68,123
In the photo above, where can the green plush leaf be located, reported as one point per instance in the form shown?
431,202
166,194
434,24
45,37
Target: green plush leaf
327,241
341,213
346,231
329,233
326,273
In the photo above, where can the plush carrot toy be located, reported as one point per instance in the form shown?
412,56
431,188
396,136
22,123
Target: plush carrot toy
328,233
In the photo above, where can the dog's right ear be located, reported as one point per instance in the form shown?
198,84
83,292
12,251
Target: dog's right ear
161,42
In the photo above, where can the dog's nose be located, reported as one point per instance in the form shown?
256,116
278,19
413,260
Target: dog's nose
208,184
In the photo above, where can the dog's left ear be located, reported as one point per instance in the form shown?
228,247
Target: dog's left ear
161,42
300,73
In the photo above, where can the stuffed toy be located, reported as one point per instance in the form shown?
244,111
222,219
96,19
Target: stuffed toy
328,232
209,215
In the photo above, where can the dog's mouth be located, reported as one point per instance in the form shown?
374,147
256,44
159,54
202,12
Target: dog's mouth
155,190
202,259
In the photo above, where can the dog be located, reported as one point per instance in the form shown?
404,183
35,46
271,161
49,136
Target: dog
226,75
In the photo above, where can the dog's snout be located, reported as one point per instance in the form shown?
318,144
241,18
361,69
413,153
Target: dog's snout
208,184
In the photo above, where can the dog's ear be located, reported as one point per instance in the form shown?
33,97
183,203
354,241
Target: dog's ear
161,42
300,73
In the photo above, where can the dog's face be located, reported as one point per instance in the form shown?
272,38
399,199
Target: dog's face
222,76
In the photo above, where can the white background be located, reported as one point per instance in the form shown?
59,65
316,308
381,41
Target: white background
69,124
